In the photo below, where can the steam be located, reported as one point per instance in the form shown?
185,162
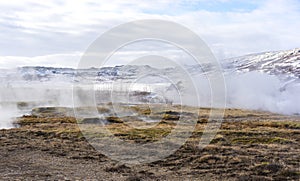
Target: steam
19,99
8,113
254,90
260,91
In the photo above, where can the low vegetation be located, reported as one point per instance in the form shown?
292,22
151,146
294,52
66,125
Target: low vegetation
249,145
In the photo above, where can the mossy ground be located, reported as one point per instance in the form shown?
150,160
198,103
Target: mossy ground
250,145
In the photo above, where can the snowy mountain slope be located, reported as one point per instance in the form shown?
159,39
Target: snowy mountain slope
284,64
276,90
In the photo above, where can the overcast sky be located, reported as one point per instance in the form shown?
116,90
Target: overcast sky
56,32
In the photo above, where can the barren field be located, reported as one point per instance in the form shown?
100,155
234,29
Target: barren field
250,145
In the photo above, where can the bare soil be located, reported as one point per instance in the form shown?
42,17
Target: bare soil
250,145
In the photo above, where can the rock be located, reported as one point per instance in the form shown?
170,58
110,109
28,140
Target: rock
92,121
113,119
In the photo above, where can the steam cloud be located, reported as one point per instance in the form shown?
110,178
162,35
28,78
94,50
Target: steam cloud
252,90
262,92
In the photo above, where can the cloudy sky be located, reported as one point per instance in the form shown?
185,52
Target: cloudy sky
56,32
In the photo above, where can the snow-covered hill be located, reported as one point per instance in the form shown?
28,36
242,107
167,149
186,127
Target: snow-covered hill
266,81
284,64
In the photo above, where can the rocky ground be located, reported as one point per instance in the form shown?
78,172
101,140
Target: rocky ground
250,145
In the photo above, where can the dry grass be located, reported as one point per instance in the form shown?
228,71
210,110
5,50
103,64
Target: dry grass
250,145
